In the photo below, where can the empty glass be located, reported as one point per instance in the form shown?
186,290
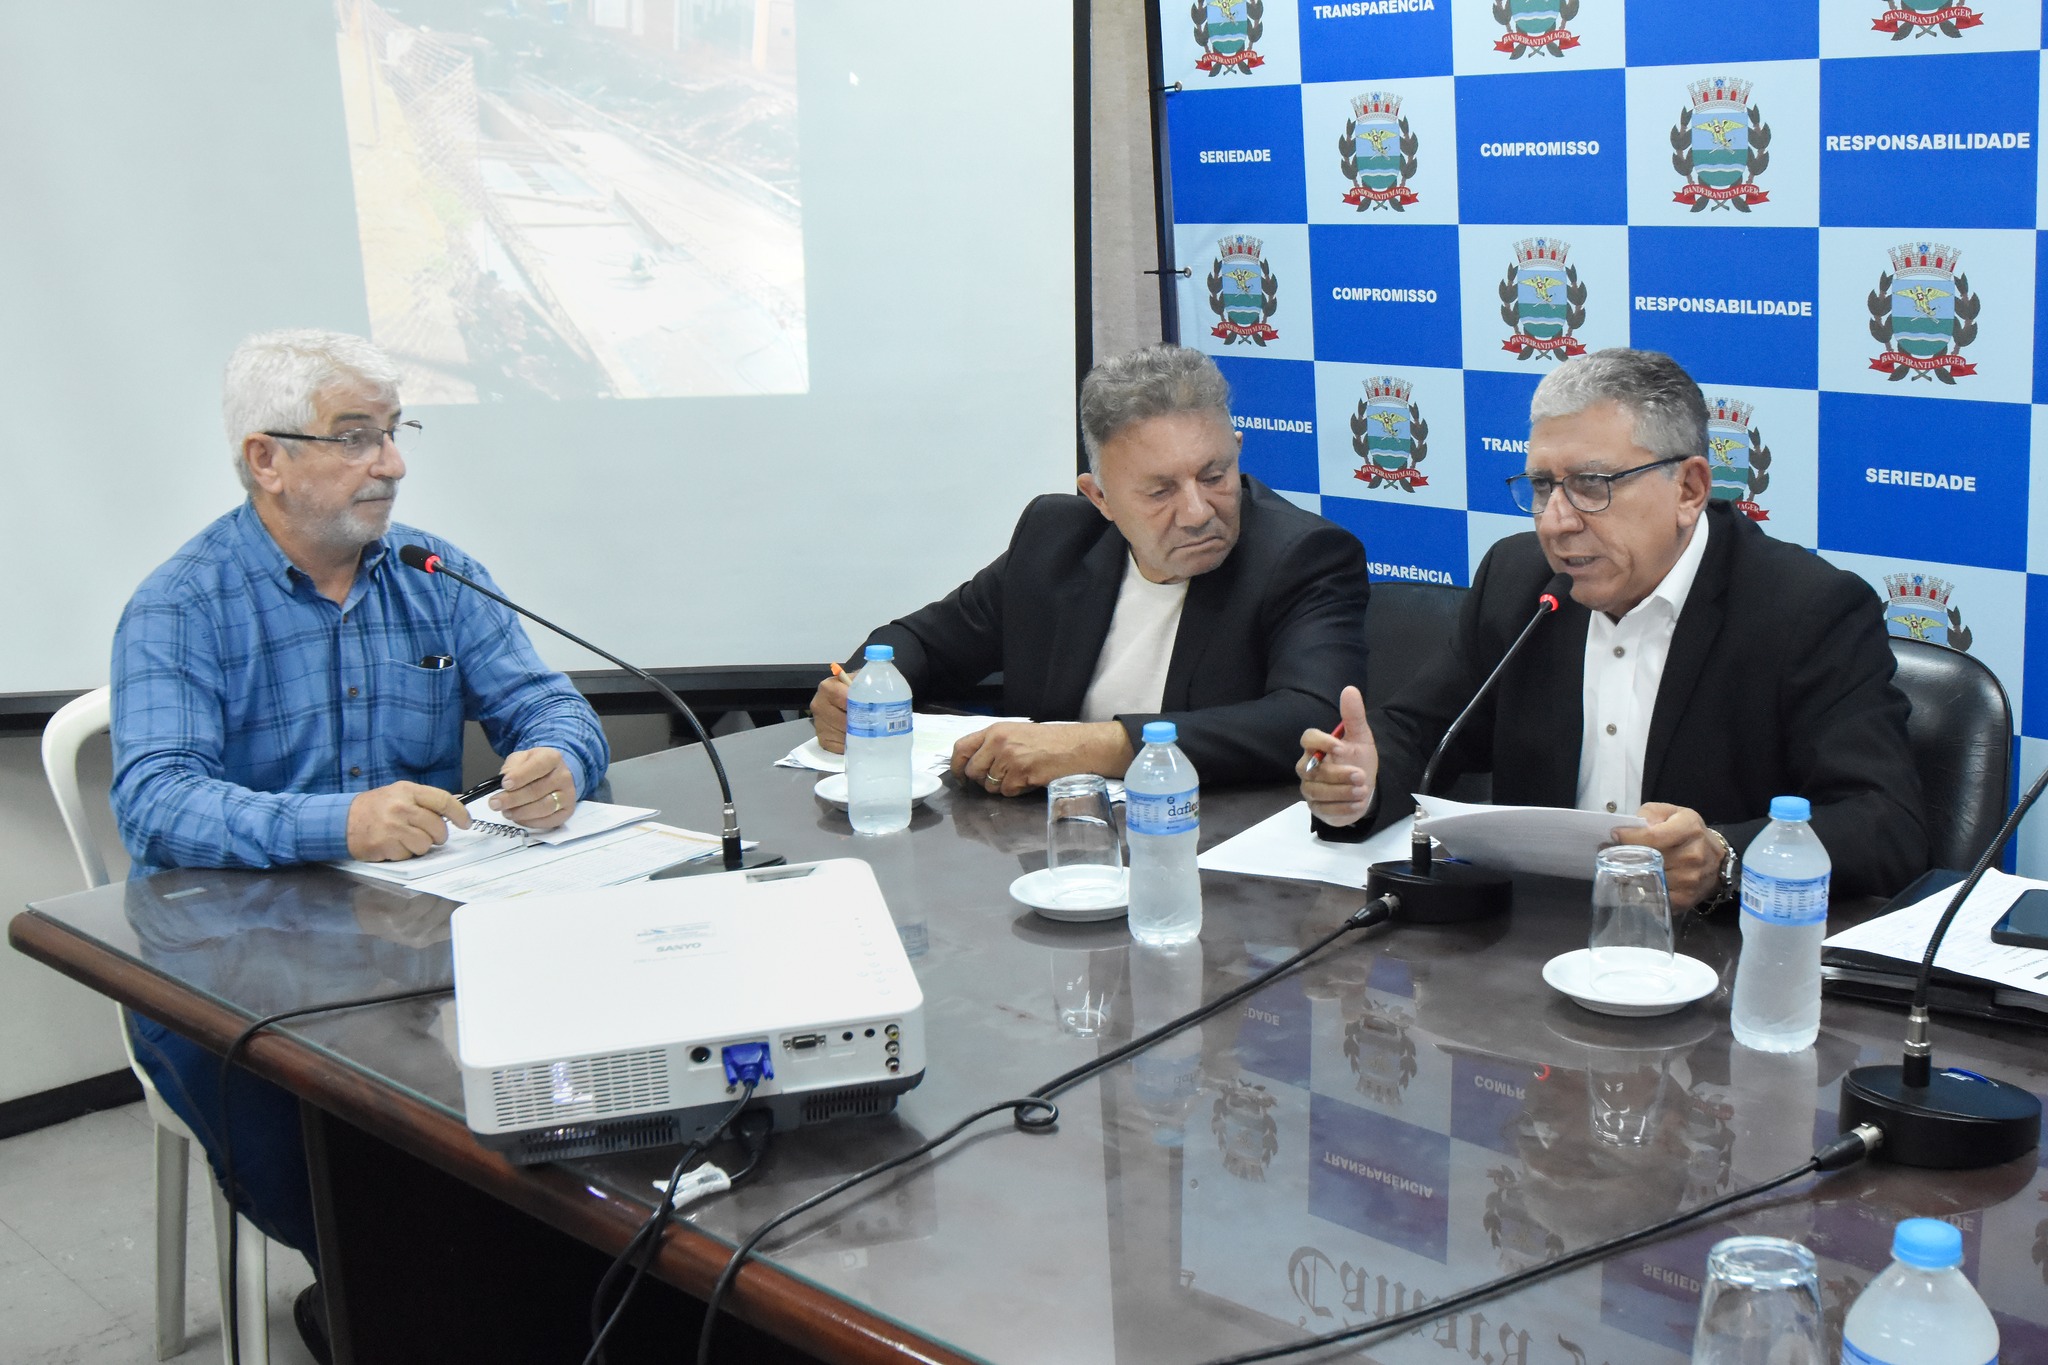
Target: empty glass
1630,945
1081,847
1761,1305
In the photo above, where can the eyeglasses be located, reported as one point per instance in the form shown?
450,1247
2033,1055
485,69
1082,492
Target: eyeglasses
357,443
1586,492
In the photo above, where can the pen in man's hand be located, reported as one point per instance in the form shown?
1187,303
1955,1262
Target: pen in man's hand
484,788
838,672
1315,760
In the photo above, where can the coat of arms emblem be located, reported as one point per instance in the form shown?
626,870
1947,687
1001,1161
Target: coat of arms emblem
1544,300
1925,18
1720,145
1243,291
1227,31
1740,460
1923,313
1242,1123
1389,435
1378,150
1916,606
1532,26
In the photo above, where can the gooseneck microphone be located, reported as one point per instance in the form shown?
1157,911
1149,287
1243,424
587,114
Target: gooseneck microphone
736,857
1428,892
1950,1119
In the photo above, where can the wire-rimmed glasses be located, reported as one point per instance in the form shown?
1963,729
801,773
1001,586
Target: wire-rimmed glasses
1586,492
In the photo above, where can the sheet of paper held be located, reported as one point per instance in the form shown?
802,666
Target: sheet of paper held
493,837
1968,949
1549,841
601,860
1283,846
931,744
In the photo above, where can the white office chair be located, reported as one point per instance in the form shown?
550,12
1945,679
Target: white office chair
62,738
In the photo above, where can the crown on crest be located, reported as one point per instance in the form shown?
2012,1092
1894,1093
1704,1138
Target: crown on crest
1375,102
1541,251
1722,90
1388,387
1240,244
1924,257
1733,411
1918,587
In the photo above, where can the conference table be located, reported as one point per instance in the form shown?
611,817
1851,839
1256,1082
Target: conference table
1411,1113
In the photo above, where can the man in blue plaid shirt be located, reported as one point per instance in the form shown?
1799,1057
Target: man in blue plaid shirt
284,691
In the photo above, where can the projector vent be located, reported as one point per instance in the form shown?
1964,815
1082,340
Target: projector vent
587,1087
595,1139
855,1101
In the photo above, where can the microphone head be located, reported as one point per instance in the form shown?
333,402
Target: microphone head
417,557
1555,591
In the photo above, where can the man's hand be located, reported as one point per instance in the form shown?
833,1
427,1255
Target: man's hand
1339,788
401,821
828,713
1692,855
1013,757
539,791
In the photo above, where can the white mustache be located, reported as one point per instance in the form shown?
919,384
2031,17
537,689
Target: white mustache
381,489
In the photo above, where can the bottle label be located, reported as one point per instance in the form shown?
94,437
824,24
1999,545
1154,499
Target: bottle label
1852,1356
1168,813
877,719
1785,900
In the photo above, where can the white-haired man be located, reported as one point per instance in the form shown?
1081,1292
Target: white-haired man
1699,669
284,691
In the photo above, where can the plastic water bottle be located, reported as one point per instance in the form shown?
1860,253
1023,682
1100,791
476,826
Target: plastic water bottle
1784,918
1921,1311
878,746
1162,816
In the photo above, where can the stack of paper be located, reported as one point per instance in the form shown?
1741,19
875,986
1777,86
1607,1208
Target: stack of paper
931,744
1886,951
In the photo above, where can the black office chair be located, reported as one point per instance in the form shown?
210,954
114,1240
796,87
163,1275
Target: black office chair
1406,626
1961,736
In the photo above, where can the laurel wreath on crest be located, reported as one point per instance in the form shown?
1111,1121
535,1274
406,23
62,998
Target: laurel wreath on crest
1505,1179
1968,305
1251,1104
1959,635
1503,14
1418,447
1269,296
1255,27
1759,156
1347,148
1948,28
1374,1022
1759,463
1574,296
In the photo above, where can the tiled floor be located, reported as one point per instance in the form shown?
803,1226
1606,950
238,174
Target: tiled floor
77,1258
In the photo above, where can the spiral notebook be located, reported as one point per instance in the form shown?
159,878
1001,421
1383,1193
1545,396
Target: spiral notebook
489,837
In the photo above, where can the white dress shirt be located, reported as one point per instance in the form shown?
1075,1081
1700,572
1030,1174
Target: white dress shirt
1624,667
1130,673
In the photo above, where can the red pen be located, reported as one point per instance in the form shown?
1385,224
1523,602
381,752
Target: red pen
1315,761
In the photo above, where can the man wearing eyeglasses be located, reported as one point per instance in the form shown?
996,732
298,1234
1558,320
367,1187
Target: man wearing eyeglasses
284,691
1699,668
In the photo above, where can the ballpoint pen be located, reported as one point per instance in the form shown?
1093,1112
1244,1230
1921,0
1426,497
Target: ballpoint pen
1315,760
483,788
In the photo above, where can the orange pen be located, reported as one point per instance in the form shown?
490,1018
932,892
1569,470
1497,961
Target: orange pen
1315,761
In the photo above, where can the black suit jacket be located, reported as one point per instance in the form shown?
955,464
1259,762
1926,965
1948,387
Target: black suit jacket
1267,639
1778,683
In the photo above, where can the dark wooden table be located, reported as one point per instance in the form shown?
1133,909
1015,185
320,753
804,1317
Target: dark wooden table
1413,1113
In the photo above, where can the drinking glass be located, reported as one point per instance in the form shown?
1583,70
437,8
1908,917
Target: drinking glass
1081,848
1083,981
1761,1305
1630,945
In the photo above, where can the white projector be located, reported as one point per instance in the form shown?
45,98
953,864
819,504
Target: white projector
603,1021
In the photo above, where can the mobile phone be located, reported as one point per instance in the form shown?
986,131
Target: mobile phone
2026,924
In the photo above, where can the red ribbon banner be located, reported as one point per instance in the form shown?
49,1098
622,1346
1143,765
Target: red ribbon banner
1751,510
1747,192
1947,360
1563,37
1408,476
1258,331
1570,344
1962,16
1358,193
1244,57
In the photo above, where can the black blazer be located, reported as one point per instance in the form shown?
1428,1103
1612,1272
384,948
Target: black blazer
1267,639
1779,683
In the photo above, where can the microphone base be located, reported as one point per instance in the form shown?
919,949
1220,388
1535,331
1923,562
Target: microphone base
1957,1122
1450,893
704,867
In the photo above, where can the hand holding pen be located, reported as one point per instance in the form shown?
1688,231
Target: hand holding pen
1340,769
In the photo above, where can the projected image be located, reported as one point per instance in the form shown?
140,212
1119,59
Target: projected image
578,198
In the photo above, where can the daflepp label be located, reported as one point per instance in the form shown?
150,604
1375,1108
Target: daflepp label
1785,900
877,719
1169,813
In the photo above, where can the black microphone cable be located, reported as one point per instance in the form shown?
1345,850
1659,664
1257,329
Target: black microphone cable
1846,1150
233,1326
1035,1112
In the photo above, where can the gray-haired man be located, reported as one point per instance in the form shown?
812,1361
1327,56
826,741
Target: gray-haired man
1173,588
1699,669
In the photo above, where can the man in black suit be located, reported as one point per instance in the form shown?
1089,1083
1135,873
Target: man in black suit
1699,668
1173,588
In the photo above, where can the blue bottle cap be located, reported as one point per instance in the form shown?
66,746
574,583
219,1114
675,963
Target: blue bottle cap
1161,732
879,654
1928,1243
1790,808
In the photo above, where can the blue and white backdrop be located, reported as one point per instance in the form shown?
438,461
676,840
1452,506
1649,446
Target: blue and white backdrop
1399,214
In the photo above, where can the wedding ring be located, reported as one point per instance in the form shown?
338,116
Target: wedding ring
556,797
992,781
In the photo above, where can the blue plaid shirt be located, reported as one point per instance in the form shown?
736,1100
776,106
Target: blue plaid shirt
248,710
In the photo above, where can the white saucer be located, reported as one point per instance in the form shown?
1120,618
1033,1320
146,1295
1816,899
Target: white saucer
1041,891
1691,980
833,789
